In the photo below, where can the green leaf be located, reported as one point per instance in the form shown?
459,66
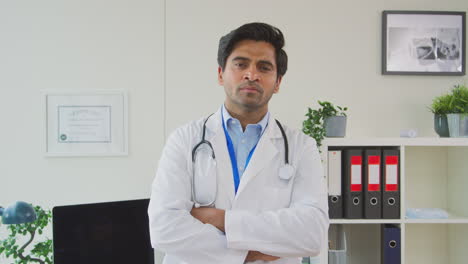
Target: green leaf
10,249
313,125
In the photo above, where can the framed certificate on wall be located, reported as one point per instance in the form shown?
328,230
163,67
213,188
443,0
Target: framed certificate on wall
91,123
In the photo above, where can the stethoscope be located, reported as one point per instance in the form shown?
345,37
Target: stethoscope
285,172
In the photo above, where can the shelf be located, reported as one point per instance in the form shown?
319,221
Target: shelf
366,221
433,174
417,141
450,220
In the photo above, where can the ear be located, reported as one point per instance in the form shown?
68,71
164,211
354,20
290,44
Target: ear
220,76
277,84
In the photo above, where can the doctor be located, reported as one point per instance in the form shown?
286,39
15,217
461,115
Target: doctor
237,186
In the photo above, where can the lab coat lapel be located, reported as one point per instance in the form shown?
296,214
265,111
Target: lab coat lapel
223,161
263,154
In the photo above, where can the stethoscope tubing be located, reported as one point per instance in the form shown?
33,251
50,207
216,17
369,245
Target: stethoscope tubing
204,141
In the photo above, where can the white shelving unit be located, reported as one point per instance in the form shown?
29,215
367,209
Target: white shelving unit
433,174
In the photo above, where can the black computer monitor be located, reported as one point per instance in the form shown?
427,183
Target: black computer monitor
102,233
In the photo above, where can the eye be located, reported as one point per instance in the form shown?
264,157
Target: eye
240,65
266,68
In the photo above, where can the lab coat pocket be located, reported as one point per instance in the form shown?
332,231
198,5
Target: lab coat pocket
279,193
277,197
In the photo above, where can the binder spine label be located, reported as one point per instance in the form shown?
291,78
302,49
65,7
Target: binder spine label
334,173
356,170
391,172
374,173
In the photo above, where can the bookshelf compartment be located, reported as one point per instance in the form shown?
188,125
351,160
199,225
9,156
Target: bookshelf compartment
436,243
435,177
433,174
362,243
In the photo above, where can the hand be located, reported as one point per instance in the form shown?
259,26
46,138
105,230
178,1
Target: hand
208,215
256,255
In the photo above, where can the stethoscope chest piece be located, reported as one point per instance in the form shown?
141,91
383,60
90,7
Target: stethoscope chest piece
286,172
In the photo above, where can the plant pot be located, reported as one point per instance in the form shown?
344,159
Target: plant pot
335,126
458,125
441,125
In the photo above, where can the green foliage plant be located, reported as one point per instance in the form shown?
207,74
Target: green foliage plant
460,100
41,251
441,105
313,125
455,102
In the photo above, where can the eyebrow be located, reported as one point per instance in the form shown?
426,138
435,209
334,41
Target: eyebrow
247,59
240,58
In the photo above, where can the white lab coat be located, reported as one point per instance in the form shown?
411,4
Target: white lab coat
282,218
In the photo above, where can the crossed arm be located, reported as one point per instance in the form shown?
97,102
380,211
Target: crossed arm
178,229
215,217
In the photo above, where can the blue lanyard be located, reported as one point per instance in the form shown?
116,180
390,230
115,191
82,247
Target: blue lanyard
232,154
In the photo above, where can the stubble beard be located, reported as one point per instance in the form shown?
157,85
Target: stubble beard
249,102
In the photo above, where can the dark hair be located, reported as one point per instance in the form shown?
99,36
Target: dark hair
257,32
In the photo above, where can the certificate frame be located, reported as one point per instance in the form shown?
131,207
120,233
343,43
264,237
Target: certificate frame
88,123
423,43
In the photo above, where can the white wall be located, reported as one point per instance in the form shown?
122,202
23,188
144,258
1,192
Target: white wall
334,53
164,54
79,46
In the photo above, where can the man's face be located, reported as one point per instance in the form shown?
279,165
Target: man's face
250,76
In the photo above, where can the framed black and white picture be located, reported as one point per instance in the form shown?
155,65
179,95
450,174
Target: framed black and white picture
423,42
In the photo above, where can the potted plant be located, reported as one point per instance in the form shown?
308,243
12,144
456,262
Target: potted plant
326,121
40,253
457,118
440,107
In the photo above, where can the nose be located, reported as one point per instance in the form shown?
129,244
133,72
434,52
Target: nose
251,74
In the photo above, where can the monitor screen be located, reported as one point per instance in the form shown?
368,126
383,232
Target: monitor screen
102,233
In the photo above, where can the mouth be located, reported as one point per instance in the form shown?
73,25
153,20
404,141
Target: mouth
250,89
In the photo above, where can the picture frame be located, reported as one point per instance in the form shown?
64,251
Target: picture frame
423,43
93,123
